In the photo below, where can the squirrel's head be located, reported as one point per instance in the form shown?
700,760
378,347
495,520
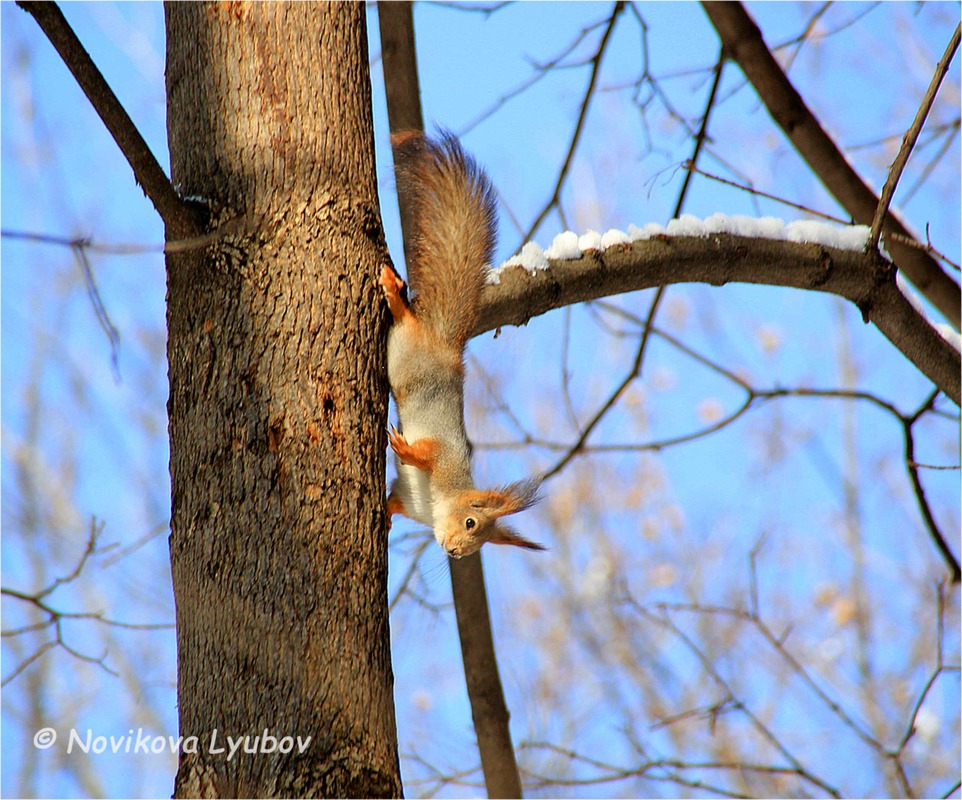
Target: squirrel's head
471,519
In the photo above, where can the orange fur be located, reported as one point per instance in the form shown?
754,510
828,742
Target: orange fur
394,506
392,284
421,454
508,536
454,211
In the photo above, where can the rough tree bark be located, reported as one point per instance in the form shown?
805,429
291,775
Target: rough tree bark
278,404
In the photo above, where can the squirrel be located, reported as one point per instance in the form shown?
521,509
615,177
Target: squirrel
453,210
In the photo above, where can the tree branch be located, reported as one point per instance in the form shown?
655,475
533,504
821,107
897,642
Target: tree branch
911,136
181,218
56,618
924,509
864,279
743,41
489,712
638,364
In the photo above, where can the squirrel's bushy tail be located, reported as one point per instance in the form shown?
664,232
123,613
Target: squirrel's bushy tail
453,209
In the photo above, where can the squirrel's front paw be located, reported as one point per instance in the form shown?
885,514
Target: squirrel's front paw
421,454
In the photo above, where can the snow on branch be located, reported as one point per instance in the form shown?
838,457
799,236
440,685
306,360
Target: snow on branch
811,255
568,245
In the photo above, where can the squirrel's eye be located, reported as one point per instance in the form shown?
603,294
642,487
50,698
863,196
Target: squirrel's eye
469,523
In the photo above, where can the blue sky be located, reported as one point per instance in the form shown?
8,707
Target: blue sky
97,435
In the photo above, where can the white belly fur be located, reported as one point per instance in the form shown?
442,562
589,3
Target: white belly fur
413,486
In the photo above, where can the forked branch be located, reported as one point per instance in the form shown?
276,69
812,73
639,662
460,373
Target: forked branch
744,43
912,135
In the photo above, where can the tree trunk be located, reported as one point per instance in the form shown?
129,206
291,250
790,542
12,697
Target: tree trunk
278,405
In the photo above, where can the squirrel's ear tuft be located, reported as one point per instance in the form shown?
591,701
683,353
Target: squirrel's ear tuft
508,499
520,495
503,535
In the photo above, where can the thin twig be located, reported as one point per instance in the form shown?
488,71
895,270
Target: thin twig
28,661
601,412
636,366
55,617
664,619
911,136
100,309
81,241
929,168
753,397
688,165
937,467
236,226
928,248
412,570
702,134
955,788
541,71
924,509
744,43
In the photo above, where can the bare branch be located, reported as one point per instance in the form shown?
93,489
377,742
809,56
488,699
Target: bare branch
610,402
663,769
910,242
55,617
664,619
636,367
582,116
100,309
924,174
753,396
919,490
236,226
911,136
412,570
488,709
759,193
81,241
541,71
396,29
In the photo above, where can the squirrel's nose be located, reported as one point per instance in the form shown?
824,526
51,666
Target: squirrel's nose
453,552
